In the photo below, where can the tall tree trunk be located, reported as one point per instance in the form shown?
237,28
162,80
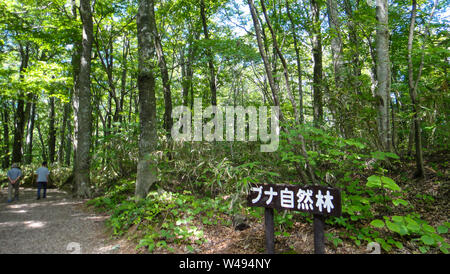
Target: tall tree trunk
5,122
413,85
123,80
41,139
64,126
383,73
336,42
29,139
317,57
146,169
262,52
69,141
83,108
354,41
299,66
20,114
184,81
212,74
164,73
51,131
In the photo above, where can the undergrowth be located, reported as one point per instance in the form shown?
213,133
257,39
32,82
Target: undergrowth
196,177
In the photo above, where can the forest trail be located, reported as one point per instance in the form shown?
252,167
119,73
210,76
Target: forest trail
57,224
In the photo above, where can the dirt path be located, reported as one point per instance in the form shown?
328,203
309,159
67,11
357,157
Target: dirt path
57,224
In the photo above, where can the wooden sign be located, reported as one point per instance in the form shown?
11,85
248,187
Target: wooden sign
319,200
314,199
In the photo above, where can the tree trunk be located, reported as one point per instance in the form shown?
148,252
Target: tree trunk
64,126
20,114
420,171
164,73
5,122
82,107
51,131
262,52
29,139
41,139
146,169
317,57
383,73
336,42
299,67
354,42
212,75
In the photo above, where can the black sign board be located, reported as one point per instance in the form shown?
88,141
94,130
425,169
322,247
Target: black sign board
319,200
314,199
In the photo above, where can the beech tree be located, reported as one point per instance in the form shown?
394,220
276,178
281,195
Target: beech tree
383,74
83,108
146,167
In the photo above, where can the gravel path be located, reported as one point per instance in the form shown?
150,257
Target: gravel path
57,224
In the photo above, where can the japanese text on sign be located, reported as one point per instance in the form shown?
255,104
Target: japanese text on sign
314,199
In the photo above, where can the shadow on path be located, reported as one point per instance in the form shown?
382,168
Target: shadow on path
56,224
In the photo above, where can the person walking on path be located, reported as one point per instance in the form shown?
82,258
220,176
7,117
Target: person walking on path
42,180
14,175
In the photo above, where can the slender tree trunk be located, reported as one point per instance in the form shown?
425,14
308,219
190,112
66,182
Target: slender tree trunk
123,81
5,116
262,52
413,85
354,43
184,81
317,57
146,169
29,139
41,139
383,73
52,131
336,42
69,141
82,107
299,67
63,135
164,73
212,74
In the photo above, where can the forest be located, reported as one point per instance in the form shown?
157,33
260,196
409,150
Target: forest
147,110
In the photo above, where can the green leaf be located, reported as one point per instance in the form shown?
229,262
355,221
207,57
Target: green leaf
398,219
398,245
400,202
377,223
442,229
423,249
389,183
427,240
392,155
378,155
190,248
393,227
413,226
428,228
373,181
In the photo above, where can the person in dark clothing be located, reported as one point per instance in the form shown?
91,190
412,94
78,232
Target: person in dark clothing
42,179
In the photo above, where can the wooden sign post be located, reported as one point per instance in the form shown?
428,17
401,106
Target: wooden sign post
319,200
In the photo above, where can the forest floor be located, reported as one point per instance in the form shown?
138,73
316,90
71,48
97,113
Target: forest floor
430,198
56,225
